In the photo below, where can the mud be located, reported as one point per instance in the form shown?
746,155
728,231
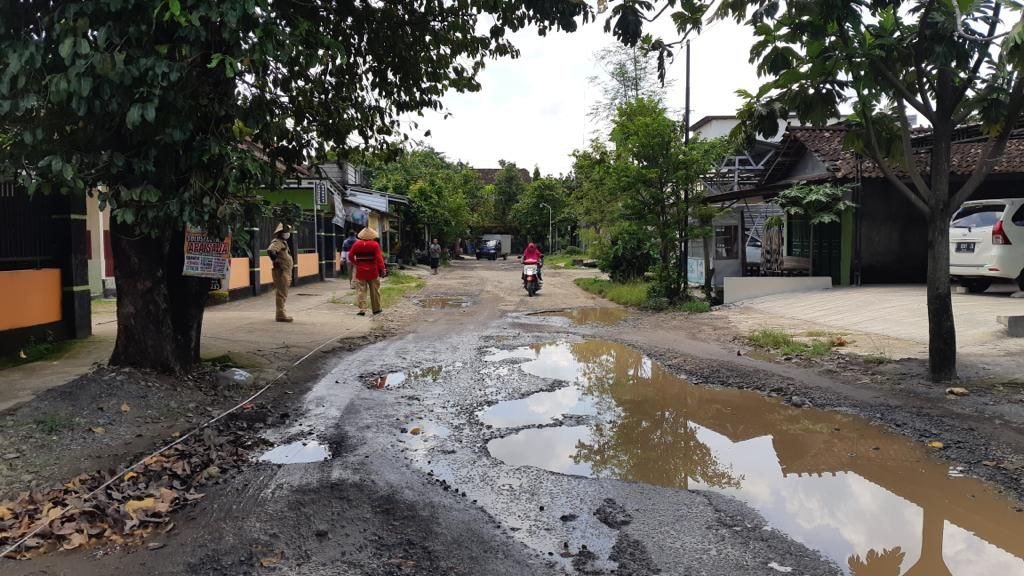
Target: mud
666,431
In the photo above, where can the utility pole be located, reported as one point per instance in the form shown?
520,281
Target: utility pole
686,191
550,247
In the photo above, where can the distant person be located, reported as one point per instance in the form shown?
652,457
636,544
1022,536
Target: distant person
532,254
346,246
282,262
435,256
368,261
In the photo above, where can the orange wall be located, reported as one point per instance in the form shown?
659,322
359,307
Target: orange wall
308,265
239,273
29,298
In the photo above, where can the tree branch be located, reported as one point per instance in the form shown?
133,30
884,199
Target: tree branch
995,147
982,53
904,91
876,155
908,152
923,84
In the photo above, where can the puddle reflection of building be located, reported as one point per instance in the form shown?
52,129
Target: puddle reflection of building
659,410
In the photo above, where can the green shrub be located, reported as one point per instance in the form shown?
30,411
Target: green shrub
628,254
625,293
781,342
572,251
695,306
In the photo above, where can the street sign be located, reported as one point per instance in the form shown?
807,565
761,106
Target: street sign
320,193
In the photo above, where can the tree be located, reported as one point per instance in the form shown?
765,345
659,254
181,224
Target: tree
652,167
508,187
953,62
530,218
817,203
630,72
176,112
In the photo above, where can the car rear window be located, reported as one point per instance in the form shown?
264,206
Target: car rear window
1018,218
492,243
978,216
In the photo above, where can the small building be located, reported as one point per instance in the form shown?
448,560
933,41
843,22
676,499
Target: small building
884,239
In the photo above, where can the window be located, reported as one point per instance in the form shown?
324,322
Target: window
978,216
725,242
1018,218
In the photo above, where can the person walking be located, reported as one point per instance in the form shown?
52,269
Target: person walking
368,261
435,256
346,247
282,268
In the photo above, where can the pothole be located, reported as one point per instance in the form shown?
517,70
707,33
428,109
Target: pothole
299,452
603,316
872,501
444,302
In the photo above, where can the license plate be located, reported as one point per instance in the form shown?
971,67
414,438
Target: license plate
530,270
965,247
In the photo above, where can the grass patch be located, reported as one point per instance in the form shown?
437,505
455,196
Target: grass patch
53,423
221,362
877,359
37,351
104,305
695,306
397,285
783,343
561,260
625,293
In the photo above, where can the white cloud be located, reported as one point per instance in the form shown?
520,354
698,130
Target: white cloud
532,110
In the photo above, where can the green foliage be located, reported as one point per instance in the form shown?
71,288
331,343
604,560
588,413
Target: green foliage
628,254
626,293
629,73
784,344
817,203
572,251
53,423
48,348
529,216
695,306
508,187
440,191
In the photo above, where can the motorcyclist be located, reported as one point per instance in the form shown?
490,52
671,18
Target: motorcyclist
532,255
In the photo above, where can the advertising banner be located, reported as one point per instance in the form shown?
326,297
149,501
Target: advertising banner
206,257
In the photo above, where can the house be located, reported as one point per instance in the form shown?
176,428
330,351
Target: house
44,271
883,240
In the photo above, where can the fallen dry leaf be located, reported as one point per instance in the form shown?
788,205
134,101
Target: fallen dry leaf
125,407
840,341
936,444
75,540
272,560
128,476
99,430
957,391
416,431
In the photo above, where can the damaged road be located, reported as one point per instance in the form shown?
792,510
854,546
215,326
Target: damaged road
490,440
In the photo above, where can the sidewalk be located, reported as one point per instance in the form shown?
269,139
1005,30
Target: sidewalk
244,329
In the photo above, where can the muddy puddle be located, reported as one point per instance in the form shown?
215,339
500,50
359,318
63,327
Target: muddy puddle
300,452
394,380
874,502
443,302
600,316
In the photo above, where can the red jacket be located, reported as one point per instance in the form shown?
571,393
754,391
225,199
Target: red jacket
368,259
532,253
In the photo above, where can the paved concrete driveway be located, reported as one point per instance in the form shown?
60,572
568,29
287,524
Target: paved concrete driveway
895,311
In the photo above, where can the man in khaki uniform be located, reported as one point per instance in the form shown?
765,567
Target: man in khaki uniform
282,270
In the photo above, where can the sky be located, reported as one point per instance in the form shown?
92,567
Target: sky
532,110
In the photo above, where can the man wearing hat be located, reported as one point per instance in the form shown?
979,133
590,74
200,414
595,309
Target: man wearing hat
282,270
368,260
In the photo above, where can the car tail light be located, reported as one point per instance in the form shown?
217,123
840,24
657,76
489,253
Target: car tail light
999,235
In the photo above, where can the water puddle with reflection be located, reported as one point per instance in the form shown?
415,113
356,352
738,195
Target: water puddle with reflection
603,316
300,452
394,380
874,502
443,302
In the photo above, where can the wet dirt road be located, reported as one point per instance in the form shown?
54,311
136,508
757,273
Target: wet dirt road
495,440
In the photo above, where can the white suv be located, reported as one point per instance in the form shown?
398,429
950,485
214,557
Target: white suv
986,243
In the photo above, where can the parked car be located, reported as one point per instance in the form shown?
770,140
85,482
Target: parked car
490,249
986,243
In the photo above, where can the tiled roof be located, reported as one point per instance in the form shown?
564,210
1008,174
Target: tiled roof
827,146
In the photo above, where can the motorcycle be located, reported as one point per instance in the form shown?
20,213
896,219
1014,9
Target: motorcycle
531,276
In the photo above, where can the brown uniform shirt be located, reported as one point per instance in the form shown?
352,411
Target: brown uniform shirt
278,252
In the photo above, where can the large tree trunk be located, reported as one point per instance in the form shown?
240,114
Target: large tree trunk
159,311
941,326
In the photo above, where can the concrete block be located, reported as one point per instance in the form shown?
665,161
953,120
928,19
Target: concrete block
1014,325
746,288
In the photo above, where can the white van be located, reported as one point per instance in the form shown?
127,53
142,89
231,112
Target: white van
986,243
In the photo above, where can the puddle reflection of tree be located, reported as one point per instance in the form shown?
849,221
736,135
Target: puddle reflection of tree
652,439
886,563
